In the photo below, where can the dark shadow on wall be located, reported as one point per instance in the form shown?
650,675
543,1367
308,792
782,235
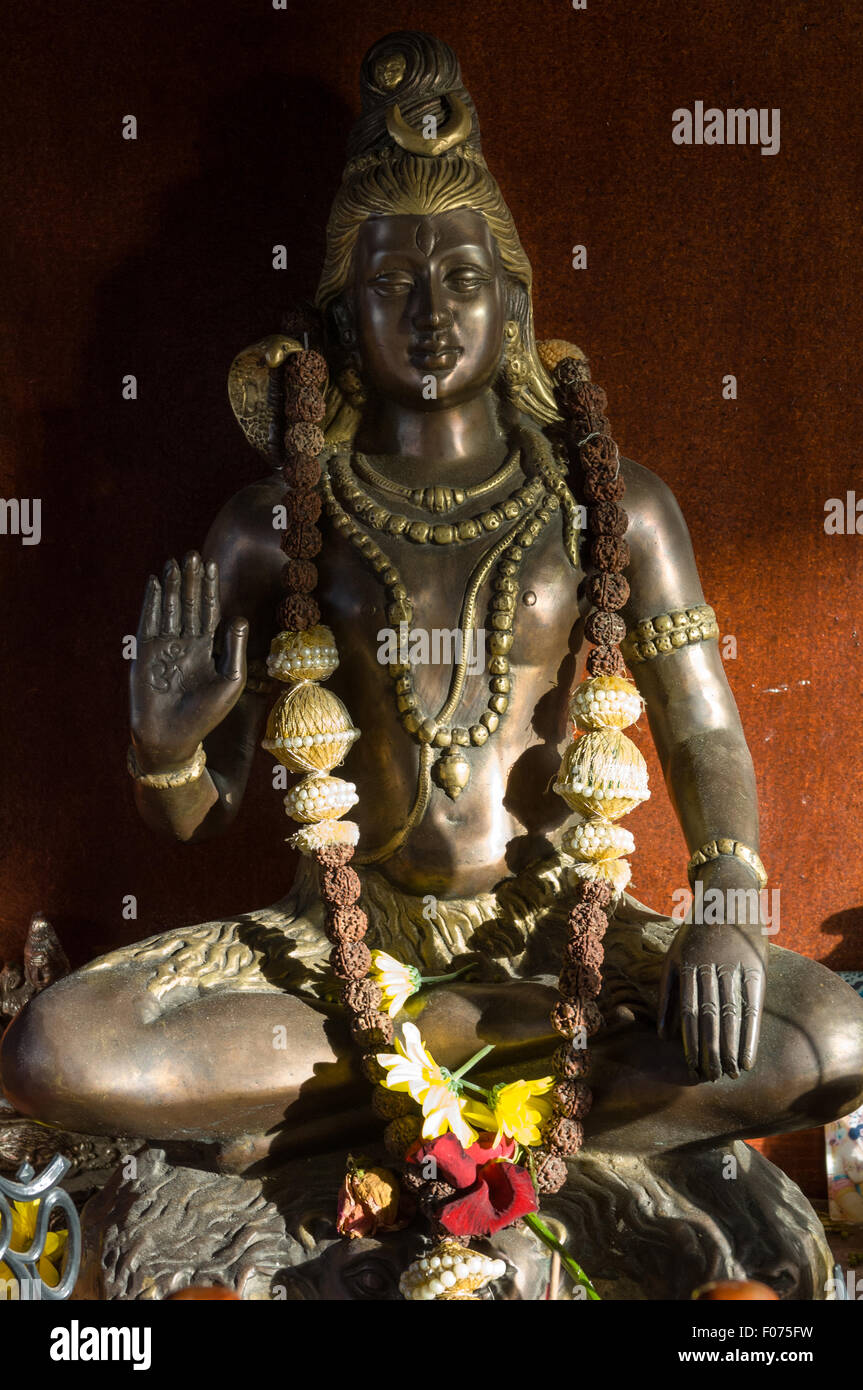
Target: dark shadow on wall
134,482
847,925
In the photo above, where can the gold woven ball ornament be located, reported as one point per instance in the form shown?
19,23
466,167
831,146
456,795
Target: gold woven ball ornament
310,730
605,702
603,776
303,656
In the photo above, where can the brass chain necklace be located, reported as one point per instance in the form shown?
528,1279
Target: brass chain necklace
437,498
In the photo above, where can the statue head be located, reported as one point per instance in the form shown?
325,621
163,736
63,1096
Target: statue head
425,276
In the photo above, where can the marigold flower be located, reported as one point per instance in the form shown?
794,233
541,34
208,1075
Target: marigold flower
397,981
517,1111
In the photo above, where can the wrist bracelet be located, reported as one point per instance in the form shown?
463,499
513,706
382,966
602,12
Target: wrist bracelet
163,781
724,848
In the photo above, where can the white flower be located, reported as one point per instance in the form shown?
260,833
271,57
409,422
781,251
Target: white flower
411,1068
443,1109
398,982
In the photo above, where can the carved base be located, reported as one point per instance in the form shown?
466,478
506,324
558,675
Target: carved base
641,1228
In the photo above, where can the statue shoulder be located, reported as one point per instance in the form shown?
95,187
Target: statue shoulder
662,572
244,542
248,519
653,510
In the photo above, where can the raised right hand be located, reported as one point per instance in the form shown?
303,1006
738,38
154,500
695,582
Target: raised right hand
178,692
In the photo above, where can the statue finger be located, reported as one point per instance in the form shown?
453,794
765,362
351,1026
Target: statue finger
151,611
708,1017
232,665
753,1000
171,600
730,1010
689,1015
191,595
210,608
667,1012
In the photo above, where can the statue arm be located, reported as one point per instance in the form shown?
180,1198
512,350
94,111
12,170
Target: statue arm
714,977
208,702
690,708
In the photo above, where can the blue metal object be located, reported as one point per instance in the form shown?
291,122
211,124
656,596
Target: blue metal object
24,1264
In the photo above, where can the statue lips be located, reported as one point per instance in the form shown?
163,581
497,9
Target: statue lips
434,357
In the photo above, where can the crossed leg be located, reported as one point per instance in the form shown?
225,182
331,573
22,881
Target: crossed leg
95,1055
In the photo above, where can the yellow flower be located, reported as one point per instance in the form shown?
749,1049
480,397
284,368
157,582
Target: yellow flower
398,982
23,1230
517,1110
411,1068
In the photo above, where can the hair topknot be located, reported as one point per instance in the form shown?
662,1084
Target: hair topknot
415,70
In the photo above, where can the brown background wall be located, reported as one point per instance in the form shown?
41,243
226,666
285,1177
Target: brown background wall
154,257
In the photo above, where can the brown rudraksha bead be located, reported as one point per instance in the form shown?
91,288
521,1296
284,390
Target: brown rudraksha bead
605,661
609,591
602,487
303,437
351,960
605,629
341,886
564,1136
346,924
571,1098
304,403
371,1028
551,1171
607,519
610,554
297,612
306,369
400,1134
361,995
391,1105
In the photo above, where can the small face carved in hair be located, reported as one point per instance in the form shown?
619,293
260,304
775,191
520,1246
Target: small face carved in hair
429,307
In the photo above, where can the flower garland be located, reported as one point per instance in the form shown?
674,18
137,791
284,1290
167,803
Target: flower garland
309,729
470,1183
602,776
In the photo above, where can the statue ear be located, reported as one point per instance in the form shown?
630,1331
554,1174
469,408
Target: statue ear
343,321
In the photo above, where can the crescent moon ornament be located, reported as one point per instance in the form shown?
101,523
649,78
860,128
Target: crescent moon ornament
454,132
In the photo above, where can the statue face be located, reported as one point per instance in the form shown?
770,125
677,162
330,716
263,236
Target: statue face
429,307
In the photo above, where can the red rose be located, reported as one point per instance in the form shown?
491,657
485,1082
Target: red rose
451,1163
494,1192
501,1195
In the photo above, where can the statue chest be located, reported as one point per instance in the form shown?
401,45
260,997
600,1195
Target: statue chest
539,606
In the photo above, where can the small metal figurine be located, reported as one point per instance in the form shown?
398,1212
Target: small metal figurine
438,492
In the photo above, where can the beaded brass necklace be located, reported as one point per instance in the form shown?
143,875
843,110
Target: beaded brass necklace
452,771
379,518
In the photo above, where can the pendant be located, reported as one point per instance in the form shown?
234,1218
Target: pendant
452,772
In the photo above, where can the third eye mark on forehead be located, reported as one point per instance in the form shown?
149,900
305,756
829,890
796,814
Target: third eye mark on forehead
426,237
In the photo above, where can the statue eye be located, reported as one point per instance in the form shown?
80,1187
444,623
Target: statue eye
392,283
373,1279
467,278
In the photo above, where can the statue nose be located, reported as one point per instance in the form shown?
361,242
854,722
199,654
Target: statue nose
431,318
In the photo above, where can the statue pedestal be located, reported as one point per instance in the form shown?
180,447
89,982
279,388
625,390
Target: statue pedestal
642,1229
